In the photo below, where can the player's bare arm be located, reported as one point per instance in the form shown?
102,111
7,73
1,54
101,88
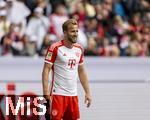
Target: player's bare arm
84,81
45,79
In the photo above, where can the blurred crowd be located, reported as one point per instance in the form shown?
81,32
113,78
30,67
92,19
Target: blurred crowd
108,28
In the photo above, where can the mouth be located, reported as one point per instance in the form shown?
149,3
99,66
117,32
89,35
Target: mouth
75,37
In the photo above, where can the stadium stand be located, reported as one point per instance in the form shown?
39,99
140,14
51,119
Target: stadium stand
109,28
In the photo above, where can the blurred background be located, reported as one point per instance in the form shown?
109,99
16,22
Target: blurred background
115,35
106,27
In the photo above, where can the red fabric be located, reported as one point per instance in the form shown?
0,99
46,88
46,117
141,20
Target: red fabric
64,107
100,30
53,56
53,51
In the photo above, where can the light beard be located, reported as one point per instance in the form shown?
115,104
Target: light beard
71,40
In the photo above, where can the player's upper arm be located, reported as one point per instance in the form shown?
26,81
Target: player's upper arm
46,69
48,66
81,61
80,68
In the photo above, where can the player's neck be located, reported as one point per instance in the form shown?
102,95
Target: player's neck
68,44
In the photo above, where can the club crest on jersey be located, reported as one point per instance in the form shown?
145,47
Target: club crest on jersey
77,54
49,55
54,112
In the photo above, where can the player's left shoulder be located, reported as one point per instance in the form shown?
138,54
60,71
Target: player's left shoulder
77,45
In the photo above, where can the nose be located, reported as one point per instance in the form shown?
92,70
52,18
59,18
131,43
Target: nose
76,34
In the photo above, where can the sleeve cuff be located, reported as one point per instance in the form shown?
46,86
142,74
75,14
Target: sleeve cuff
48,62
81,63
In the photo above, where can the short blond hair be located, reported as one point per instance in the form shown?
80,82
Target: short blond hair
66,23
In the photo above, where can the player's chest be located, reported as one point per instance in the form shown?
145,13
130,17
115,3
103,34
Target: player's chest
69,56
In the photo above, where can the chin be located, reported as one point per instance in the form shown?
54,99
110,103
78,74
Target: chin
73,41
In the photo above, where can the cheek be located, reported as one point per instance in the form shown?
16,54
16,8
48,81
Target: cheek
70,34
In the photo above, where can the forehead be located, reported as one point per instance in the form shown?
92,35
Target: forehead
72,26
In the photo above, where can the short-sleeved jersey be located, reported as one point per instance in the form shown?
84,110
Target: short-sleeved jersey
65,67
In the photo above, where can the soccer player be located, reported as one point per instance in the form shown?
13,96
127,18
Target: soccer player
65,59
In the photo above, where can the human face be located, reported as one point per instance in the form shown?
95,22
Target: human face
72,33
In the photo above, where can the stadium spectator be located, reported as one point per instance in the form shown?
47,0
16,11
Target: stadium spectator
114,20
18,8
57,18
11,42
4,23
38,26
